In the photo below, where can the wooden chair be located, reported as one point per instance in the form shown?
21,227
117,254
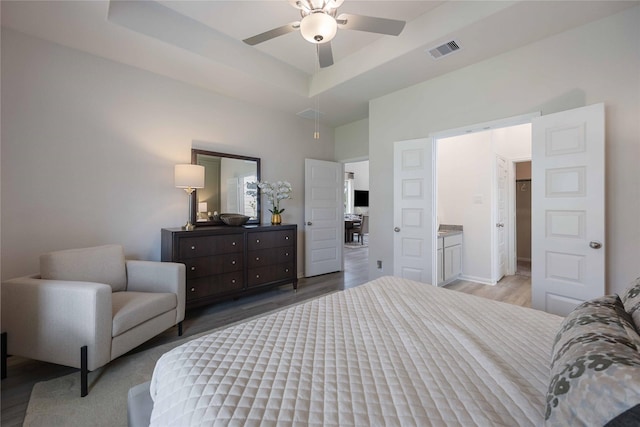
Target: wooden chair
361,229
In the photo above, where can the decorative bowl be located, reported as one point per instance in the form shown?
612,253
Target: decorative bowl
235,220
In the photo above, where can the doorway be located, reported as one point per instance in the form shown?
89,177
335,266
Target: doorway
523,218
356,216
475,192
356,203
567,221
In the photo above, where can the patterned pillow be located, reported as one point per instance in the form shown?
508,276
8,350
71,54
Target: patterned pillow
631,301
595,366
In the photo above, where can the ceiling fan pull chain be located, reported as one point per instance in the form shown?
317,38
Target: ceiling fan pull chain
316,132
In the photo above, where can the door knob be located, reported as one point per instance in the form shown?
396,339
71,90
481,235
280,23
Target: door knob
309,223
396,229
595,245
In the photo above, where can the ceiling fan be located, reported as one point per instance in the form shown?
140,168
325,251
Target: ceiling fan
320,22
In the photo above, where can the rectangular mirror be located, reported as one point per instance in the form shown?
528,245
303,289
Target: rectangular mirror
230,186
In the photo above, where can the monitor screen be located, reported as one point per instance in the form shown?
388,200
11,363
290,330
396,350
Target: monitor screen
360,198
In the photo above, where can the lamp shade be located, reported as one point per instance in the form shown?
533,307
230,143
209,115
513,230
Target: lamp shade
318,27
189,176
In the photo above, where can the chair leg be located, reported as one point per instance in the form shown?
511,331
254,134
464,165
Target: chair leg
3,356
84,372
180,329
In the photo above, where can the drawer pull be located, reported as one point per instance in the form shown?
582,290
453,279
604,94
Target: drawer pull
233,262
233,244
286,237
193,248
233,280
193,269
193,289
286,270
257,240
286,254
257,258
257,276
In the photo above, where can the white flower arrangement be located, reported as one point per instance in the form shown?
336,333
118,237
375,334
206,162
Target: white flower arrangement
274,192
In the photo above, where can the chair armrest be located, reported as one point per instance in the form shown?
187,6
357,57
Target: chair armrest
50,320
153,276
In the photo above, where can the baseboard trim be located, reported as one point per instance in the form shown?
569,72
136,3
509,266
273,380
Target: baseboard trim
481,280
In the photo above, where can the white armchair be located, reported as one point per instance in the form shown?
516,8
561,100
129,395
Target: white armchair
88,307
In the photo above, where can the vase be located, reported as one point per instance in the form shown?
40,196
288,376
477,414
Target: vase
276,219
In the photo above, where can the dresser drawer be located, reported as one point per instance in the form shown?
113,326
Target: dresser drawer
214,285
190,247
206,266
270,239
264,257
271,273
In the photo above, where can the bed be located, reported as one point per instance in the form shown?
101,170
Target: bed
389,352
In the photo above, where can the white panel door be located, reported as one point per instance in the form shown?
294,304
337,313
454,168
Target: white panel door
323,216
501,220
568,222
412,240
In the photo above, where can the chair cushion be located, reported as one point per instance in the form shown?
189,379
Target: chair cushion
100,264
131,309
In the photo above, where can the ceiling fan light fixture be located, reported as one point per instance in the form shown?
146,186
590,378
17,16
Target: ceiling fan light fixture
318,27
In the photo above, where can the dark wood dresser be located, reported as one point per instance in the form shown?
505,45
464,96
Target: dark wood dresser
229,262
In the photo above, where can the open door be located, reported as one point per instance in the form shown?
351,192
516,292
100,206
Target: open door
412,237
502,221
323,216
568,222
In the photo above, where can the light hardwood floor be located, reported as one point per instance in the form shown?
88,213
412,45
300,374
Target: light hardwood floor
23,373
511,289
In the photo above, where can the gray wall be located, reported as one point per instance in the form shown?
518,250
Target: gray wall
89,145
597,62
352,141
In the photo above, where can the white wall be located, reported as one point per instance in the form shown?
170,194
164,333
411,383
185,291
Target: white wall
352,141
360,174
465,177
513,142
89,145
597,62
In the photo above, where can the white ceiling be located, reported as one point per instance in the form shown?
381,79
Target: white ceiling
200,43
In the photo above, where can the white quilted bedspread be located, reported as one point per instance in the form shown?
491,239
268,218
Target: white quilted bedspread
390,352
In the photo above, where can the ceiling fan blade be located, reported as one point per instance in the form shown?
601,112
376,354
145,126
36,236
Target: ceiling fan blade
371,24
271,34
325,54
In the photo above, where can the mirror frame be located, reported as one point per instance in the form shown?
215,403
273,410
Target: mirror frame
194,161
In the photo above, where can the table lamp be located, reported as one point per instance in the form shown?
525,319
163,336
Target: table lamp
189,177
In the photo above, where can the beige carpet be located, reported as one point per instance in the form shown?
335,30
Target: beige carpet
58,403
